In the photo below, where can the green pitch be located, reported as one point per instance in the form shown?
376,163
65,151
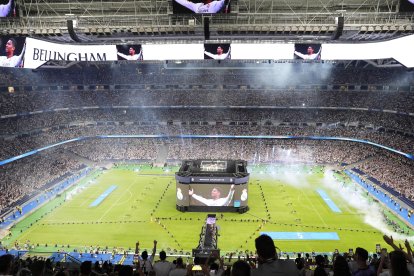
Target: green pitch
142,208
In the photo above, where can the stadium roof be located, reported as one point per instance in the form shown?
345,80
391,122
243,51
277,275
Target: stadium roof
152,19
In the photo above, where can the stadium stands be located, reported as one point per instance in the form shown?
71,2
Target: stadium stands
89,101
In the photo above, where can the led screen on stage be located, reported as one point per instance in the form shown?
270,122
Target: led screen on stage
307,51
217,51
8,8
130,52
212,195
201,6
12,51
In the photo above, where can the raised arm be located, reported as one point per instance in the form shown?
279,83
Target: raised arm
409,251
221,260
226,55
153,251
123,56
189,5
229,196
210,55
137,247
140,54
19,59
201,199
390,241
299,54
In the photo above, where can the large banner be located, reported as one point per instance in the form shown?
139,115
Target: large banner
39,52
32,53
272,51
173,51
401,49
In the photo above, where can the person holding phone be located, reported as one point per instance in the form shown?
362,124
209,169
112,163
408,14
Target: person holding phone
398,264
361,257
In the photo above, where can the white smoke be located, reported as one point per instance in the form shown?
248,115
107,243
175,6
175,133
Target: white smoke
371,211
292,175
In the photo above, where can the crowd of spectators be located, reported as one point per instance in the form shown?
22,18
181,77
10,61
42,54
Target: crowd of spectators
265,262
43,100
155,73
259,151
395,172
32,172
12,146
375,119
26,176
152,85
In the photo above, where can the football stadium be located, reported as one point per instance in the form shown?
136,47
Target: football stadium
214,137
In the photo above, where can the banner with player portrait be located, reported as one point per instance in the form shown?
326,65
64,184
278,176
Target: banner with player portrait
201,6
8,8
12,50
130,52
307,51
32,53
217,51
